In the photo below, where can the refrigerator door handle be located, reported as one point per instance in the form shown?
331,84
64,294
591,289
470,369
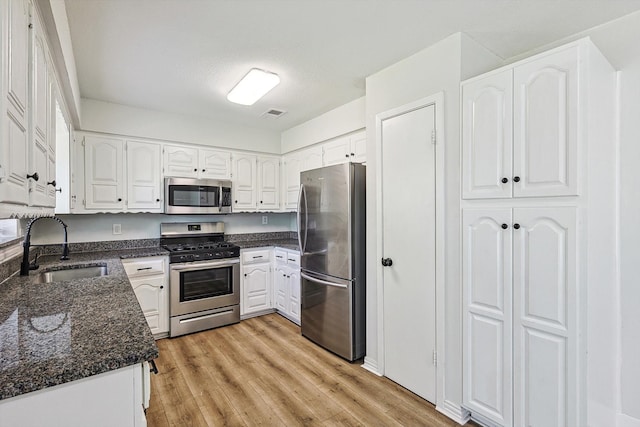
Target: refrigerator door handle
322,282
302,243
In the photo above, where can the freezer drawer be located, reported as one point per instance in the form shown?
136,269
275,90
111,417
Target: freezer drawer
329,316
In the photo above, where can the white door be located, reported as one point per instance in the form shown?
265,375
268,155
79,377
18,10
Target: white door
408,214
244,182
104,176
256,288
215,164
180,161
144,182
292,167
311,158
337,151
358,147
151,296
487,313
281,285
294,294
487,137
268,183
545,126
545,332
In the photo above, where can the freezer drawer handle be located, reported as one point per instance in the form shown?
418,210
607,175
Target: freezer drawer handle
323,282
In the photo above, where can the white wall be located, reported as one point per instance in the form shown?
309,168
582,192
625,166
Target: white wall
98,227
339,121
119,119
438,68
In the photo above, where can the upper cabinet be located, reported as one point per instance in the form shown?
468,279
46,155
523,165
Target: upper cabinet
348,148
256,183
144,178
104,178
191,162
520,130
294,163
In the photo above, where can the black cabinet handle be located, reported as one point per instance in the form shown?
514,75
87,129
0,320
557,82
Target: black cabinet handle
387,262
35,176
505,180
505,226
52,183
245,274
257,256
516,226
144,268
516,179
154,368
353,154
59,190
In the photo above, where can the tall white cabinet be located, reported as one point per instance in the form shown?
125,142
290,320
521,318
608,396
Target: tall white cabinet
537,196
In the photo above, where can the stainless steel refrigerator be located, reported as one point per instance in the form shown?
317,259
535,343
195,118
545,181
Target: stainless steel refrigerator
331,235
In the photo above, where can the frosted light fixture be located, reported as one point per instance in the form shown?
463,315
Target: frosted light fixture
253,86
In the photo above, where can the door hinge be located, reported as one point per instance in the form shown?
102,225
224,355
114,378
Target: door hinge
433,136
435,358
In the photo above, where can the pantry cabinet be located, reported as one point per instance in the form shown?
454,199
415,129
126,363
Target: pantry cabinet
536,267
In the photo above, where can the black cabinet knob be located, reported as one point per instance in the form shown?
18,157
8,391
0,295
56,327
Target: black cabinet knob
353,154
516,179
157,200
161,287
203,170
387,262
505,226
119,200
195,169
516,226
236,201
35,176
260,201
245,274
505,180
52,183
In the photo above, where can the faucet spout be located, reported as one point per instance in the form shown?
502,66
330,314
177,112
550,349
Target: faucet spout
26,244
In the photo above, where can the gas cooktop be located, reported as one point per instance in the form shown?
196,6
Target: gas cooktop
188,242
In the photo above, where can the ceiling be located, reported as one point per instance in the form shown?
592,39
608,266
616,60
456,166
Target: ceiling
183,56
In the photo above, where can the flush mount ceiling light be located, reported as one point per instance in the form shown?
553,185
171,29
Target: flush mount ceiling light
253,86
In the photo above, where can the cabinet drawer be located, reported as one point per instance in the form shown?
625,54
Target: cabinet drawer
260,255
281,256
293,258
145,266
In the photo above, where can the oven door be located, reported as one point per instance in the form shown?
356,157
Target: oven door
199,286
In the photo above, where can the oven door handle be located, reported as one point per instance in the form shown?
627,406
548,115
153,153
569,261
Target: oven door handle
197,266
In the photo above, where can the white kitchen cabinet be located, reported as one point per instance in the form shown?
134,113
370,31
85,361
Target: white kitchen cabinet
537,268
192,162
104,178
520,129
255,281
144,178
294,163
348,148
286,281
256,183
150,282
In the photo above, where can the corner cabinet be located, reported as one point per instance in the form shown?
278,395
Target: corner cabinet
532,135
150,282
286,284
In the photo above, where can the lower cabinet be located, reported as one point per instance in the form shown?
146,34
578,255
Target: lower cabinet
268,285
86,402
149,280
255,281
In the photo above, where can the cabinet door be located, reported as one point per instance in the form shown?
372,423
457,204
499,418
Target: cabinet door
294,295
358,142
103,173
337,151
152,296
14,143
546,125
244,182
281,288
487,311
40,83
292,167
39,165
144,180
311,158
487,137
214,164
268,183
256,288
180,161
51,180
545,330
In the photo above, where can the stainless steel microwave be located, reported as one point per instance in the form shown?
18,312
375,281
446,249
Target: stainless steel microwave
196,196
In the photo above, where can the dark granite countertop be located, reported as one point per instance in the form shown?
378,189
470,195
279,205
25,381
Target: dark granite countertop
55,333
281,243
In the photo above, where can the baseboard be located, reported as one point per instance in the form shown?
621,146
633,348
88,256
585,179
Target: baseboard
456,412
256,314
371,366
627,421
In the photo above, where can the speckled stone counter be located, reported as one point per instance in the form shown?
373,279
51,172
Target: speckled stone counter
53,333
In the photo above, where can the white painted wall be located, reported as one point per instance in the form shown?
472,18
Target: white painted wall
98,227
339,121
435,69
98,116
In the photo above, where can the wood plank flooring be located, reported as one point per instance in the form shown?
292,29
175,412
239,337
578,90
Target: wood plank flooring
262,372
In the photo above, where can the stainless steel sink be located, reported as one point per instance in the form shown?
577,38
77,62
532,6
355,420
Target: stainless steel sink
71,274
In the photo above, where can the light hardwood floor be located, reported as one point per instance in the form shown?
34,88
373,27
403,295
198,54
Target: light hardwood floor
263,372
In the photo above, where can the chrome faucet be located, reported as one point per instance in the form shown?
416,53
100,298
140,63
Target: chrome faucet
25,266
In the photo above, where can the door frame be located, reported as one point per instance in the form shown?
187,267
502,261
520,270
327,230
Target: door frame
436,100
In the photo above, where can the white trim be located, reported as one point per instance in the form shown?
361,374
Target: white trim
617,289
10,252
627,421
371,366
456,412
438,101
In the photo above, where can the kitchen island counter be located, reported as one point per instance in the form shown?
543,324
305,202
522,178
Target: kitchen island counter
55,333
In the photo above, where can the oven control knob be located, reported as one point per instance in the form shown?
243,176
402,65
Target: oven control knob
218,254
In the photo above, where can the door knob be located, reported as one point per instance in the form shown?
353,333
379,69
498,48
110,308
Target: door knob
387,262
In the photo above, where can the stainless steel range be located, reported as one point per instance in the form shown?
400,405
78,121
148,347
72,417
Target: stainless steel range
204,276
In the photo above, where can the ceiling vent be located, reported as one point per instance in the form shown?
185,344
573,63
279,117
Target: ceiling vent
273,113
